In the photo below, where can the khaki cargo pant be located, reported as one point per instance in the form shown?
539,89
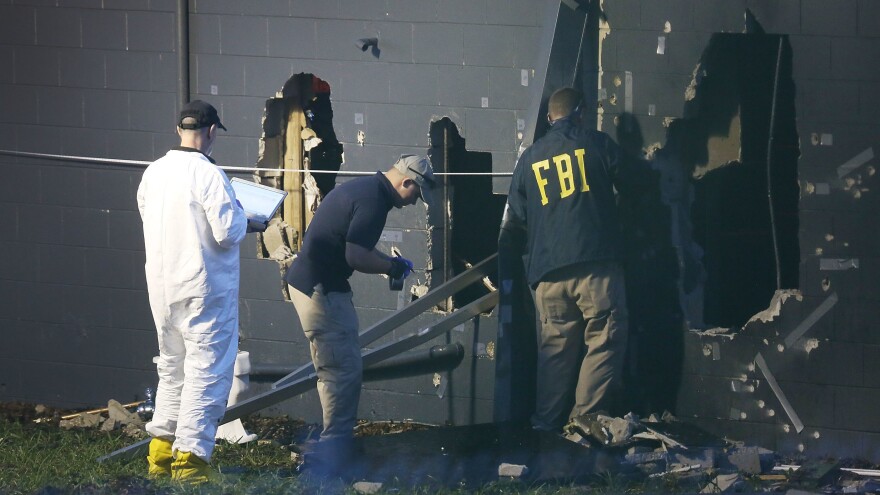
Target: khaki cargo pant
581,343
331,325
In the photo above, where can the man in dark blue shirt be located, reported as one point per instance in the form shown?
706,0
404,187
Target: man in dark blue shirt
561,211
340,239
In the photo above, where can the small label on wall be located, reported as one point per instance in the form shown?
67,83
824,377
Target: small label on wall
484,102
359,118
391,236
524,77
214,90
661,45
520,124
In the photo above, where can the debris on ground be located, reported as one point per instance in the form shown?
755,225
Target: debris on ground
659,451
367,487
506,470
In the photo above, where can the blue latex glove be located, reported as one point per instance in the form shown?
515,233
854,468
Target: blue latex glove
409,265
400,267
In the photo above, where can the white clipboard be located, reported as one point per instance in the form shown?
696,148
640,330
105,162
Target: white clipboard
259,202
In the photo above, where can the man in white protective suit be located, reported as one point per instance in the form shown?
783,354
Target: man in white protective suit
193,225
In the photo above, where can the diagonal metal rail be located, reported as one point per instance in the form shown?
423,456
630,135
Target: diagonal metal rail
307,382
398,318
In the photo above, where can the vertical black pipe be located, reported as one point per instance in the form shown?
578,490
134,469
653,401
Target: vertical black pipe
769,170
182,53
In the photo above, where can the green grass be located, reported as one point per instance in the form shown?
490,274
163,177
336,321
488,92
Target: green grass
43,459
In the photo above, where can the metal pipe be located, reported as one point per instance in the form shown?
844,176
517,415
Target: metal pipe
420,362
182,53
769,170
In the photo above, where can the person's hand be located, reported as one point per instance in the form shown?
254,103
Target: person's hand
256,226
400,267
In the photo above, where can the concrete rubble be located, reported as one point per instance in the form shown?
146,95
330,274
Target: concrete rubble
676,452
506,470
659,452
118,418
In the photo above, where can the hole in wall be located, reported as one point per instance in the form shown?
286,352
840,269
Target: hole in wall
470,233
297,134
699,246
732,216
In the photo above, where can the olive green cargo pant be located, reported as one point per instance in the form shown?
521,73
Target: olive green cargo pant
581,343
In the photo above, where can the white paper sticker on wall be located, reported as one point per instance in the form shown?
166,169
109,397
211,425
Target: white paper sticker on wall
661,45
358,119
484,102
524,77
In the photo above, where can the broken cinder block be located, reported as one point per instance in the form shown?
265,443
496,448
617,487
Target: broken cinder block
506,470
723,483
119,413
751,459
367,487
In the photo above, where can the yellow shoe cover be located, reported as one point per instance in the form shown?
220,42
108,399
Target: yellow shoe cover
189,468
159,460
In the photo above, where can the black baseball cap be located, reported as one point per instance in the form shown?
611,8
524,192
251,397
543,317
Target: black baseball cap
203,112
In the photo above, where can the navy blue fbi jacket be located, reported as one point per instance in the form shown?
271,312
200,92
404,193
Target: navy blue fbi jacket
562,190
354,211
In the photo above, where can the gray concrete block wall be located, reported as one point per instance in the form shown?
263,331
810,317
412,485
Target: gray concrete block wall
834,48
104,85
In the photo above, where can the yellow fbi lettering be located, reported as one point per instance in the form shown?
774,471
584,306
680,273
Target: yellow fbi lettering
564,173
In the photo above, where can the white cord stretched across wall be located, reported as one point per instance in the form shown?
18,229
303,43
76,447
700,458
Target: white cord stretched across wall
140,163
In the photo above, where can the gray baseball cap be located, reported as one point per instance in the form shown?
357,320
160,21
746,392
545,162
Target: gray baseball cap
419,169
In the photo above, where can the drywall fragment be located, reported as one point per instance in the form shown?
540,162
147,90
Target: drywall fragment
281,253
715,332
681,469
706,458
811,344
751,459
724,483
512,470
646,457
772,311
272,238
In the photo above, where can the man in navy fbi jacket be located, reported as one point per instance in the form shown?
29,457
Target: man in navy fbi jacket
561,212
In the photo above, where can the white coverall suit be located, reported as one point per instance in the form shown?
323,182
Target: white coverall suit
192,228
